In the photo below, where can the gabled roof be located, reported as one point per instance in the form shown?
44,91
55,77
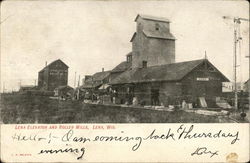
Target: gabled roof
96,79
155,34
247,81
63,87
90,85
158,34
148,17
58,60
99,76
123,66
131,40
168,72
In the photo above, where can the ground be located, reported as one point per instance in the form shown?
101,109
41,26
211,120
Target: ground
16,108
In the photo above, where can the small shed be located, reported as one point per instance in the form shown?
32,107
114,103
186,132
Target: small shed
64,92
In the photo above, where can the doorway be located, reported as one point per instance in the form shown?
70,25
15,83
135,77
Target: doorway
155,97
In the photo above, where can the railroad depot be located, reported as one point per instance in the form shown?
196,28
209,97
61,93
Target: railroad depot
171,84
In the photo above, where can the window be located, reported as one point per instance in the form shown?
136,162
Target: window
144,64
211,69
157,27
129,58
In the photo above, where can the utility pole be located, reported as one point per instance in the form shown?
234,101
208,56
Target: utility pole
78,84
235,67
248,81
92,98
75,81
20,83
237,21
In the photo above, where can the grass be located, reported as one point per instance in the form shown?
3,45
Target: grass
24,109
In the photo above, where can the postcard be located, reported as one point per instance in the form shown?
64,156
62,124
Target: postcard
124,81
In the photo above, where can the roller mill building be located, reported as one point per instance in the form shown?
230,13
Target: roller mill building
154,77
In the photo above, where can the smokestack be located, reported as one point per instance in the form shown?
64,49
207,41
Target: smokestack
46,64
102,69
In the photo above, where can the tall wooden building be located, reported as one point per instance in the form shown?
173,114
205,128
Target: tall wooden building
152,43
53,75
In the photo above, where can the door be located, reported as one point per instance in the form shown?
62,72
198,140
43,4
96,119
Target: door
155,97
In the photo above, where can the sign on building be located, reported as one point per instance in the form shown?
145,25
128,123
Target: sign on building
202,79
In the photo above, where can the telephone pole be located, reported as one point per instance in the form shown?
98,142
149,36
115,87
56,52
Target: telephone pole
248,81
235,67
75,80
237,22
78,84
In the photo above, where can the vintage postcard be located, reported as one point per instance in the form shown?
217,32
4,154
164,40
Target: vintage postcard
124,81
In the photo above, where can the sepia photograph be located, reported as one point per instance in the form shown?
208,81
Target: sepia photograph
124,81
124,62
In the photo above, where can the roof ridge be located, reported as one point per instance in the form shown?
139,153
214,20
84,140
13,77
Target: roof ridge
169,36
102,71
150,17
52,63
176,63
166,72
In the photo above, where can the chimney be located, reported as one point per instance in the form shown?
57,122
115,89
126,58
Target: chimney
46,64
102,69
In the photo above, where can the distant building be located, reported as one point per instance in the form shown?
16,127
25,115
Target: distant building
247,86
64,91
152,43
53,75
227,87
240,86
97,80
230,87
24,88
120,68
87,77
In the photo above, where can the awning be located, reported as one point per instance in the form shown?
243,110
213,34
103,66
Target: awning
89,85
104,86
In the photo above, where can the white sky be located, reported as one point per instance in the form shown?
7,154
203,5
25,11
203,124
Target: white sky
90,35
